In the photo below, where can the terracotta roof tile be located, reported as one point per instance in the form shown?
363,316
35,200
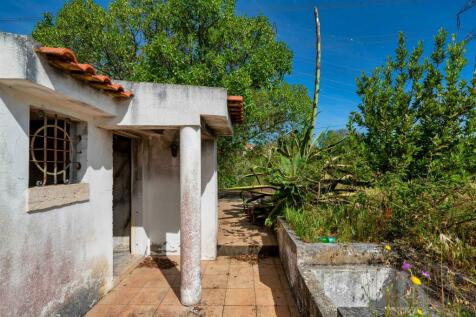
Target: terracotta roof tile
64,59
92,78
235,109
58,53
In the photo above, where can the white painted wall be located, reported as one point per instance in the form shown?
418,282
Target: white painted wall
158,227
161,194
58,260
209,200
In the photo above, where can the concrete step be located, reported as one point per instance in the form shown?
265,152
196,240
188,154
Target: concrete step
236,250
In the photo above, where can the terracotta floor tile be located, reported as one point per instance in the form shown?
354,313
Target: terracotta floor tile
172,298
176,282
267,282
161,282
268,297
241,269
106,311
238,261
222,259
241,281
229,281
213,297
171,271
277,261
214,281
280,271
132,281
273,311
149,296
147,272
217,268
119,296
209,311
240,297
172,311
139,311
239,311
265,270
173,258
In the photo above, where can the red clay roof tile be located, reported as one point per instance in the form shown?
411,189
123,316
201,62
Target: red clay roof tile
107,87
58,53
64,59
235,109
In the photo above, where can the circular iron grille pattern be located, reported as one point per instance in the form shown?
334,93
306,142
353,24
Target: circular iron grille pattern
54,161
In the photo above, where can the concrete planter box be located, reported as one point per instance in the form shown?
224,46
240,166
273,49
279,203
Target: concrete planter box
338,279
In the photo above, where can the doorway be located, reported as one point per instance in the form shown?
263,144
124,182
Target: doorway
121,202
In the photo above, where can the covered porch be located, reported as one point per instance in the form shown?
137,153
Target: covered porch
139,154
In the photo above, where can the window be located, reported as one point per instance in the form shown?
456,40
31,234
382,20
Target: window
51,149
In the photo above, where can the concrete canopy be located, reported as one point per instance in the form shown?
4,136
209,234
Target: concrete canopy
153,105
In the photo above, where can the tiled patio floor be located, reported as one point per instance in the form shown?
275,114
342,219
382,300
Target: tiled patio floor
236,233
231,287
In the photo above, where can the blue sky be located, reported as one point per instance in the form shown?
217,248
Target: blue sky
357,35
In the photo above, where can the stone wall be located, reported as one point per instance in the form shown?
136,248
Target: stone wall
293,256
300,260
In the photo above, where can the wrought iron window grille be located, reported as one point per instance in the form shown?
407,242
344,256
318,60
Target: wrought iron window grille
51,150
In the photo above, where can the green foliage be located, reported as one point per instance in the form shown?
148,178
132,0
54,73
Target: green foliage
175,41
417,116
270,113
188,42
437,218
412,142
301,172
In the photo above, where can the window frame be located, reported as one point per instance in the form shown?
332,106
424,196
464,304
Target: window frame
54,135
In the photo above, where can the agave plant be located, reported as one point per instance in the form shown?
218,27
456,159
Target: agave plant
298,170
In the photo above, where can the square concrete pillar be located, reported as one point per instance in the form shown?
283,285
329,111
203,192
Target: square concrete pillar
190,214
209,200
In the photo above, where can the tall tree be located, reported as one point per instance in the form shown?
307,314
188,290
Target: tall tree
417,117
472,34
202,42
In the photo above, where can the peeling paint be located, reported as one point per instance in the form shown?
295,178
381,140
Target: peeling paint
78,297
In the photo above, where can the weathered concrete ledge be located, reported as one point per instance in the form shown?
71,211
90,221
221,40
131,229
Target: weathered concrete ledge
300,259
46,197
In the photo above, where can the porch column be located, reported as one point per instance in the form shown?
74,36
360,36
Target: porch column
190,201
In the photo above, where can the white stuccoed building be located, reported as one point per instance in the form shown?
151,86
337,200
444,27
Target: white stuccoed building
90,168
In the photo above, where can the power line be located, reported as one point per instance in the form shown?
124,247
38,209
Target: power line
20,19
324,79
349,4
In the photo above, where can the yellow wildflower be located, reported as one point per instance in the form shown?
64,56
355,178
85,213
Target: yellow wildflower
419,312
388,248
416,280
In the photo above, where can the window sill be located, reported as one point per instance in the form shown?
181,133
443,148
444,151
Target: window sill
56,196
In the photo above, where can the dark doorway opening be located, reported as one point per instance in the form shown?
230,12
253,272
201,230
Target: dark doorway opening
121,202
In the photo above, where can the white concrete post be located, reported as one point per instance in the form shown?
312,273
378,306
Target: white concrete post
209,200
190,227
